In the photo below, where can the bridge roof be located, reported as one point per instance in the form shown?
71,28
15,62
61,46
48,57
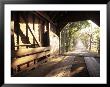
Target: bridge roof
61,18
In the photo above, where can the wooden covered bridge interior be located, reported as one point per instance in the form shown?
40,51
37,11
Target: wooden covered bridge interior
35,45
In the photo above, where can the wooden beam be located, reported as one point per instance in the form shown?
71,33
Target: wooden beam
29,51
26,21
33,18
38,53
27,27
44,16
54,16
17,26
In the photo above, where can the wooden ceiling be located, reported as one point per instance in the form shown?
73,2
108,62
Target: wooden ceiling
61,18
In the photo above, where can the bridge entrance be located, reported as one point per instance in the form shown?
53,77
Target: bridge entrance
55,43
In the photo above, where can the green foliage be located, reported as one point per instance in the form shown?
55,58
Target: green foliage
73,30
85,39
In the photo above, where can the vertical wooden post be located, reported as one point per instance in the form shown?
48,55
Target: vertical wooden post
17,26
39,29
60,43
42,33
47,34
33,18
12,37
27,30
12,42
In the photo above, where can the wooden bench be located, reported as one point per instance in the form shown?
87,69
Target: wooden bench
27,59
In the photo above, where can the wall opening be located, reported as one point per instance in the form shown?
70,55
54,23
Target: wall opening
80,36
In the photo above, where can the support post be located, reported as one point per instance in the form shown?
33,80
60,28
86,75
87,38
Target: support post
16,26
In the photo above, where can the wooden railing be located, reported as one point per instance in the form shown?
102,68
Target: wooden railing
27,59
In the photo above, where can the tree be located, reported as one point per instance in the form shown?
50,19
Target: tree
71,32
83,30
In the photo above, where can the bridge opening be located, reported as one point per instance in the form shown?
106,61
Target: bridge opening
81,36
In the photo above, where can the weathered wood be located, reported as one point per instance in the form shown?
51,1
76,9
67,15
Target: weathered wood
30,55
27,30
33,18
24,70
29,51
17,27
44,16
25,67
45,34
24,45
26,21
